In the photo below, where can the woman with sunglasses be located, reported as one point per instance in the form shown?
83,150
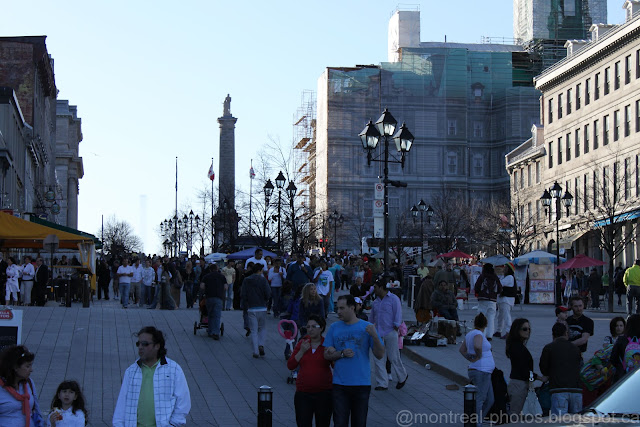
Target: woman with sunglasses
521,364
315,381
18,401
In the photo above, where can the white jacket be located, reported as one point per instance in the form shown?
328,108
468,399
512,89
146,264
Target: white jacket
170,395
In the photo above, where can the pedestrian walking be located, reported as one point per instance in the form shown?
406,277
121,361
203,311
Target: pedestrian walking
487,288
324,283
214,285
255,296
27,275
506,301
68,406
347,343
477,349
310,304
521,364
313,398
154,389
229,272
125,273
631,281
103,279
42,280
136,282
595,286
386,315
148,276
19,404
560,362
276,276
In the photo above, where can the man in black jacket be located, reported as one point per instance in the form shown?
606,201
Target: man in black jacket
561,362
40,285
214,285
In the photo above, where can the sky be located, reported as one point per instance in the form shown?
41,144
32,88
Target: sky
149,79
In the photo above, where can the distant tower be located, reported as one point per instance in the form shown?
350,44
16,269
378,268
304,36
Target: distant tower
226,219
556,20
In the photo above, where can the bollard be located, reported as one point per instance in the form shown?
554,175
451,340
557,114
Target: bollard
470,406
265,406
67,294
86,294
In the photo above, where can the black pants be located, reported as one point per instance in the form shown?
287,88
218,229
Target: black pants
307,405
103,287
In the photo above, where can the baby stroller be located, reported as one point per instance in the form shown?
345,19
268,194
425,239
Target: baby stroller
288,330
204,318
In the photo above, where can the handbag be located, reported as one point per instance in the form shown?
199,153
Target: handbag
531,404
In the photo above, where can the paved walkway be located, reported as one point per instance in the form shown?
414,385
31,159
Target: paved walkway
448,362
95,345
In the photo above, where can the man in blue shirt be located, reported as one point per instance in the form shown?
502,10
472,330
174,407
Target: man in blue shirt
299,273
347,343
386,315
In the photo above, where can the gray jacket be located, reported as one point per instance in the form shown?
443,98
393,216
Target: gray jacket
255,291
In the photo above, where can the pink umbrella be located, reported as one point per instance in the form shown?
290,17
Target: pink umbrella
454,254
581,261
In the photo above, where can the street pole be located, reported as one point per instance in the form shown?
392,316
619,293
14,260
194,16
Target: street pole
421,238
279,230
386,207
558,287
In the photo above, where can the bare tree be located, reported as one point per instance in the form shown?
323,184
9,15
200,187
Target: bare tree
119,238
607,207
452,220
507,227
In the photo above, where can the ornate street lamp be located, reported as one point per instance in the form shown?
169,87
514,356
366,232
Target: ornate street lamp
336,220
554,193
268,191
370,137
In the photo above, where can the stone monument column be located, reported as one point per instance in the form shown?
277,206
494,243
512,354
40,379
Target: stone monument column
226,218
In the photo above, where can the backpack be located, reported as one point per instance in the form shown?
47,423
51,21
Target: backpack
631,355
591,375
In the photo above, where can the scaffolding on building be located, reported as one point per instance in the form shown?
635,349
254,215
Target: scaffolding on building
304,124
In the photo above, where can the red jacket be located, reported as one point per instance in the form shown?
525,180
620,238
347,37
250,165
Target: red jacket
315,371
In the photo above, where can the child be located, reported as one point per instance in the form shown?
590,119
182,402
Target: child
561,314
67,407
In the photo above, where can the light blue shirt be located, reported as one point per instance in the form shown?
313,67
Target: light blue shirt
386,313
354,370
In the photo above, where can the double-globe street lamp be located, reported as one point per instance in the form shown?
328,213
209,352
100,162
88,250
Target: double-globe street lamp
336,220
169,229
555,192
189,219
420,209
385,127
291,191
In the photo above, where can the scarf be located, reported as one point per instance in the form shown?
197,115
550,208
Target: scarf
24,398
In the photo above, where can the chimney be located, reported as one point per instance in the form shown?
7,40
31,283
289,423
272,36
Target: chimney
632,7
537,135
404,31
574,46
599,30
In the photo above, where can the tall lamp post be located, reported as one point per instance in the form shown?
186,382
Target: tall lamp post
268,191
422,208
291,190
554,193
336,220
280,180
370,137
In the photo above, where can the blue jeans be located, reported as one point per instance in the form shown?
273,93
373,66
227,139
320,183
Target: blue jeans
145,298
566,403
228,302
275,295
350,402
214,307
484,393
124,294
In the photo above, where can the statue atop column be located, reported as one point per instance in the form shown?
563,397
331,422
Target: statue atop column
227,106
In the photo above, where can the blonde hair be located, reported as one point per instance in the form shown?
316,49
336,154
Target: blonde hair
306,294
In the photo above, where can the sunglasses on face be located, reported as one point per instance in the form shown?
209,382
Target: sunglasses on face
524,329
313,326
143,343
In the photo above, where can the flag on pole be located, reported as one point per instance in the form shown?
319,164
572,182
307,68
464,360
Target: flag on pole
212,175
252,174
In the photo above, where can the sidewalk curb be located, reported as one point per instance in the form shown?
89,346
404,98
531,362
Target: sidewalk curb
435,366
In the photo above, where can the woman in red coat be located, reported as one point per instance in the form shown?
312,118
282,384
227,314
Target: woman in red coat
314,382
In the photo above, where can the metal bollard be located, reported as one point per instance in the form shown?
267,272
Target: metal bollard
265,406
86,294
470,406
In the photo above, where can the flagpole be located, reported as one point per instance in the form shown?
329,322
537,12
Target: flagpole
250,197
212,247
175,236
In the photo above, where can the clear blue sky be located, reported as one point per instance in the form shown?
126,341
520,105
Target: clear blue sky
149,79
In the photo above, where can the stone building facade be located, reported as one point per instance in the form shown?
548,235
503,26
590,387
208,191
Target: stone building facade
588,142
466,104
69,166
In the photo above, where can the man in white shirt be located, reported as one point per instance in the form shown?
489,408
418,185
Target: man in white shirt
257,259
276,276
148,276
229,273
28,273
324,280
136,281
125,273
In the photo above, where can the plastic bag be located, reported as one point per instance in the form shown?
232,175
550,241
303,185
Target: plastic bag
531,404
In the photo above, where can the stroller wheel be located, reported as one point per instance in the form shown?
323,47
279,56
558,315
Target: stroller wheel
195,327
221,329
